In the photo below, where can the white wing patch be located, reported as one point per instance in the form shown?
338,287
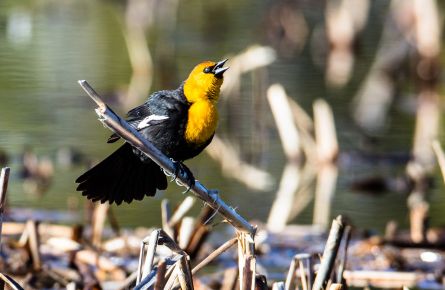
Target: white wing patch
146,122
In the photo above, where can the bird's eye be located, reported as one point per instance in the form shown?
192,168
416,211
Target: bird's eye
207,70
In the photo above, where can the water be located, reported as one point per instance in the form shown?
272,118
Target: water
46,46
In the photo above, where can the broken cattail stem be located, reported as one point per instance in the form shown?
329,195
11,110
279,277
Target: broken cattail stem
172,279
202,229
224,247
343,258
186,231
132,136
290,138
34,244
160,275
4,179
325,134
324,192
329,254
299,260
185,273
152,242
282,206
164,268
99,218
246,261
290,275
166,217
304,284
146,282
10,282
180,212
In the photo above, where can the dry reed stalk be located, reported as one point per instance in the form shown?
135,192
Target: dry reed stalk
287,130
176,275
186,231
324,192
344,255
185,273
305,192
246,261
290,275
305,272
165,269
202,229
172,279
99,218
131,135
325,134
426,131
160,275
6,280
418,216
234,167
283,203
34,244
151,243
137,16
344,19
224,247
305,127
329,254
440,155
372,102
304,282
181,211
4,180
166,217
248,277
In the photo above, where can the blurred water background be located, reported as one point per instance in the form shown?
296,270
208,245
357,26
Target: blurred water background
46,46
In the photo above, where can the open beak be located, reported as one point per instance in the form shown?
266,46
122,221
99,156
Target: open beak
219,69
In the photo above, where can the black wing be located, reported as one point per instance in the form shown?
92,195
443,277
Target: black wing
163,107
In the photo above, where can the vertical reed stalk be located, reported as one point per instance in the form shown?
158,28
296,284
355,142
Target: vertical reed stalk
329,254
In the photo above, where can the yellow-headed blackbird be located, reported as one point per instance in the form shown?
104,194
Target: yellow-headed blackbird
181,123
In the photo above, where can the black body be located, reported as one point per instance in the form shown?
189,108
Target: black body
129,174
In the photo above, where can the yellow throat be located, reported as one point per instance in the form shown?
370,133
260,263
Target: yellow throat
202,92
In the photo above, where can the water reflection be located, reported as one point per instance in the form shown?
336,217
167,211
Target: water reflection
125,51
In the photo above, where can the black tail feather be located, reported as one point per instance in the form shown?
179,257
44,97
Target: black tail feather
122,176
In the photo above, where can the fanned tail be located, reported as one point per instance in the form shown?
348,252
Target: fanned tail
122,176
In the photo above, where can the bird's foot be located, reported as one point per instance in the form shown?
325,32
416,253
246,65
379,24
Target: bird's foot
181,169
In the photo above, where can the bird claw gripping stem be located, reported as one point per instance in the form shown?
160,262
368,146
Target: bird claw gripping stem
181,169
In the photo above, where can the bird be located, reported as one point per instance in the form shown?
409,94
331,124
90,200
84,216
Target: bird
179,122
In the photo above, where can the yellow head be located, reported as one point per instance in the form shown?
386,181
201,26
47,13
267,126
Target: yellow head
204,82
